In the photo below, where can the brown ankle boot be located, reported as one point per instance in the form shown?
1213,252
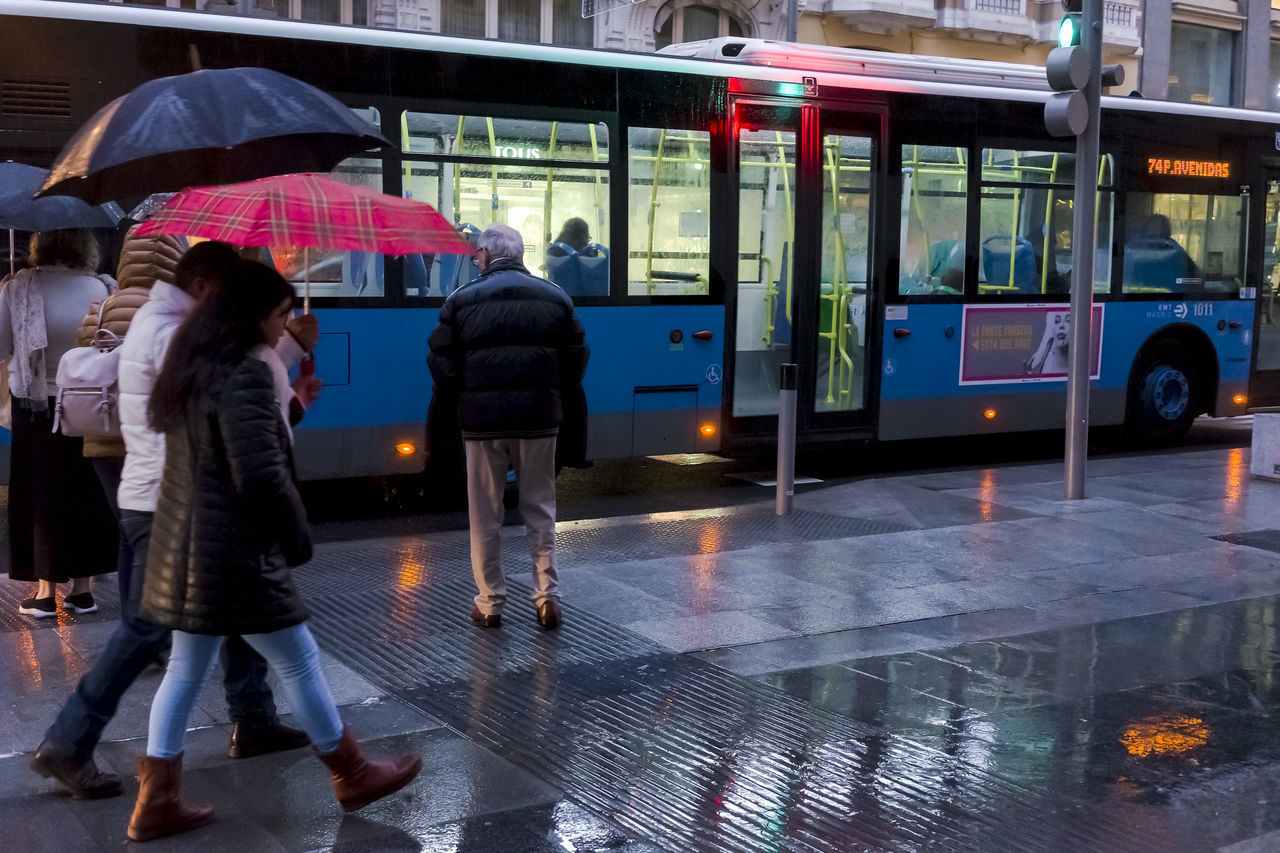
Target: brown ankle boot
158,811
358,781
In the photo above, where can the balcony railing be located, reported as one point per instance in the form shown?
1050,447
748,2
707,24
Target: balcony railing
1002,7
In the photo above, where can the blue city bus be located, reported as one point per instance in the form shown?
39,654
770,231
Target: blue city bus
898,227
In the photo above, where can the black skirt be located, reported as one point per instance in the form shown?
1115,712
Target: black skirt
60,526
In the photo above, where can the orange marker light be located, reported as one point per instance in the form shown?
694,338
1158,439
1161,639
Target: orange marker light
1239,399
708,430
989,414
404,448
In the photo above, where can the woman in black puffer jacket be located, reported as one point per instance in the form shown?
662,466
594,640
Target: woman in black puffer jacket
228,525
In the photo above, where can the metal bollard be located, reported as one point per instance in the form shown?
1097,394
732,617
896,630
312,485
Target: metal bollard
786,439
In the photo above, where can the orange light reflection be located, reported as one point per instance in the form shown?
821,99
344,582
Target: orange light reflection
1237,469
1164,735
411,569
987,494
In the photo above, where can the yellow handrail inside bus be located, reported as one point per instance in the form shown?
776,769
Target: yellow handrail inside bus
407,178
1048,229
789,220
653,210
493,172
457,173
595,158
546,193
839,281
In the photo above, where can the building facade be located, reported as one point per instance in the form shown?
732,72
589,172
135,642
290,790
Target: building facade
1223,52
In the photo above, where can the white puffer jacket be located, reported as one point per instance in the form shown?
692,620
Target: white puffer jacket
141,356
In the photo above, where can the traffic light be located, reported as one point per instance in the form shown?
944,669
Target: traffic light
1066,113
1069,28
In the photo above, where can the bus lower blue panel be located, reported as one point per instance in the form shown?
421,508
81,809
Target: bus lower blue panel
924,355
377,386
928,417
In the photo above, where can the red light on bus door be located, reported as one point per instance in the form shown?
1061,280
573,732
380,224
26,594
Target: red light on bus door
989,414
708,430
1239,399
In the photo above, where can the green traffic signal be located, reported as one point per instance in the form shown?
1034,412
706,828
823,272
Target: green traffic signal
1069,30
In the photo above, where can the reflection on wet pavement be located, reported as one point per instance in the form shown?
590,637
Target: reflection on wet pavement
1119,735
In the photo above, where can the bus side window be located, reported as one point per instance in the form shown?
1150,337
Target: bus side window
934,198
669,199
1025,223
1181,243
529,188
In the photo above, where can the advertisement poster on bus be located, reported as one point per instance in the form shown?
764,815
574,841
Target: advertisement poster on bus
1021,343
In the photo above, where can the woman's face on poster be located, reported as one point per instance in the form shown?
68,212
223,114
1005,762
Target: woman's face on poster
1060,323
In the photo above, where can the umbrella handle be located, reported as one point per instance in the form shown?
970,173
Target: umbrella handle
306,280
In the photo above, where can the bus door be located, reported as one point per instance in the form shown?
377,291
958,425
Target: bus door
1265,390
806,180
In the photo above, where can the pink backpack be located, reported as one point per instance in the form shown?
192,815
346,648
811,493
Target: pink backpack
88,401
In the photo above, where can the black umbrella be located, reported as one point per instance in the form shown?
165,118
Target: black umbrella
207,127
20,212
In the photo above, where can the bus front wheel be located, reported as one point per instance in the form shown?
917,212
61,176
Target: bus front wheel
1163,393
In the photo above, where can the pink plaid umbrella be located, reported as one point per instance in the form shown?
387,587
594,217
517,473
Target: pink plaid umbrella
307,211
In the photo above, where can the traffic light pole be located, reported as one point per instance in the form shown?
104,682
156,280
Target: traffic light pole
1083,245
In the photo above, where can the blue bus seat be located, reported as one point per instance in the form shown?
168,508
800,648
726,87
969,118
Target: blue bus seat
564,267
781,325
456,270
1155,263
416,274
362,274
593,264
996,258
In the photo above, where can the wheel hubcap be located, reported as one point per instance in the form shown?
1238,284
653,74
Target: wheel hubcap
1168,392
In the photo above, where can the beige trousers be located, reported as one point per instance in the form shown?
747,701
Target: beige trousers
534,461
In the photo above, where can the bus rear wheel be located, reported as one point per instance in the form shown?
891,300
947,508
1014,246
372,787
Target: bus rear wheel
1164,390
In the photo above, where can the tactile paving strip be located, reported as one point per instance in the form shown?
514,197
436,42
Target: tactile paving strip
679,752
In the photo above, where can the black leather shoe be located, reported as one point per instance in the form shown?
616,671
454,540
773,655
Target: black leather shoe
82,778
549,614
250,739
492,620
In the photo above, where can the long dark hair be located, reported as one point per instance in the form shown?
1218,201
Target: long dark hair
221,330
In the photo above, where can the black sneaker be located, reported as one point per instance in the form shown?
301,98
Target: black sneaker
80,603
40,608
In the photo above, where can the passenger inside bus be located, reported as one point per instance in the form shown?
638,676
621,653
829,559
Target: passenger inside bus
578,265
1154,261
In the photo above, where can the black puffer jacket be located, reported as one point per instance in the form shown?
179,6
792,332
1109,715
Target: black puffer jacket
509,348
229,521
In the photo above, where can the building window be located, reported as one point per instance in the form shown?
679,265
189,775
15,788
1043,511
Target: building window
568,27
1200,63
529,21
462,18
682,21
519,20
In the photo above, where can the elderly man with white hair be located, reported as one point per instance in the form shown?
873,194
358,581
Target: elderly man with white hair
509,349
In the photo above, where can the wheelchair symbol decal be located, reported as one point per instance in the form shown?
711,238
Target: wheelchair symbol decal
890,367
713,374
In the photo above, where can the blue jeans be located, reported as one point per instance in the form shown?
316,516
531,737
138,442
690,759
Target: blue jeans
136,644
292,653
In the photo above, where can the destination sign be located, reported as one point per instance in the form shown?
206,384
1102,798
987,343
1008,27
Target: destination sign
1188,168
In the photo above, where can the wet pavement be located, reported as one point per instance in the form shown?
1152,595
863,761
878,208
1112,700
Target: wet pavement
955,661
